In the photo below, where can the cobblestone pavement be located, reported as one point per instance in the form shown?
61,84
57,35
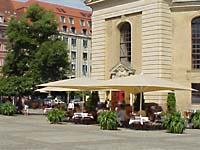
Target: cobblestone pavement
33,132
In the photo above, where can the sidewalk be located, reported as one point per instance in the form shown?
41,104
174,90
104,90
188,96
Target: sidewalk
33,132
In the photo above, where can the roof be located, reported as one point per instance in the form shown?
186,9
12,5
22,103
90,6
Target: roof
55,8
76,14
6,9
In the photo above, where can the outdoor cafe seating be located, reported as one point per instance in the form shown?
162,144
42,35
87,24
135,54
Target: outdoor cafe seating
82,118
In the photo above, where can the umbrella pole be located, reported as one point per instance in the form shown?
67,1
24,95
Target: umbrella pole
83,100
140,103
68,97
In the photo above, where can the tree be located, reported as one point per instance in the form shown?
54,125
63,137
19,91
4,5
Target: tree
171,103
92,101
35,52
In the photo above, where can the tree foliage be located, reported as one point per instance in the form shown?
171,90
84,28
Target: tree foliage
171,103
35,52
92,101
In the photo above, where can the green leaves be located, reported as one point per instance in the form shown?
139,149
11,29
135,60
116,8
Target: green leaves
55,115
196,120
8,109
34,53
92,101
16,86
108,120
171,102
175,123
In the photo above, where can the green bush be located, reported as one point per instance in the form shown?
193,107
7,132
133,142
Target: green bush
92,101
108,120
196,120
55,115
8,109
175,123
62,107
171,103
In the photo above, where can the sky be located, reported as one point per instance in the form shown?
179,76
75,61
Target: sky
72,3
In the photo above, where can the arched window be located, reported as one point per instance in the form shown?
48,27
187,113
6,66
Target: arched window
196,43
125,42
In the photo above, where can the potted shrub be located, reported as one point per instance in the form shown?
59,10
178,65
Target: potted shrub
55,115
8,109
175,123
195,120
171,103
108,120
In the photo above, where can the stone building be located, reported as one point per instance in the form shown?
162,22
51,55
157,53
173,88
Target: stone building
156,37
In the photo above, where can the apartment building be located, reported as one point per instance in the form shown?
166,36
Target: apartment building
75,28
6,11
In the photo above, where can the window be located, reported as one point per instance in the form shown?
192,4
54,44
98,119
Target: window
73,68
62,19
196,94
65,39
73,55
64,28
2,47
1,19
84,70
71,20
85,42
82,23
125,42
85,56
73,42
196,43
90,24
1,62
73,29
84,31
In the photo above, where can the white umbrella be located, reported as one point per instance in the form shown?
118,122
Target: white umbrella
141,83
83,84
58,89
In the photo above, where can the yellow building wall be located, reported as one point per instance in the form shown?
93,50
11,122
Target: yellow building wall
182,61
161,39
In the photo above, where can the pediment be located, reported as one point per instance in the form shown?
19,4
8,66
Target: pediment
122,70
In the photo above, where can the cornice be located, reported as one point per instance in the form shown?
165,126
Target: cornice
185,5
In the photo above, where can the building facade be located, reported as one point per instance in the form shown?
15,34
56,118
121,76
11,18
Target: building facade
156,37
6,12
75,28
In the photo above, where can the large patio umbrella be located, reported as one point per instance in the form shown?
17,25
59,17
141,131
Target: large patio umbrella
58,89
141,83
83,84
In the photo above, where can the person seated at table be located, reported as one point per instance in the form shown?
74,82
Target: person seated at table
121,116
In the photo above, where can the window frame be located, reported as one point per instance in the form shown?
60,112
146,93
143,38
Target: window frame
195,93
73,42
125,42
71,20
82,23
62,19
64,28
73,30
85,43
195,40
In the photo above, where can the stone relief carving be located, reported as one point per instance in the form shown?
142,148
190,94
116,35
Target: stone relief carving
121,71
